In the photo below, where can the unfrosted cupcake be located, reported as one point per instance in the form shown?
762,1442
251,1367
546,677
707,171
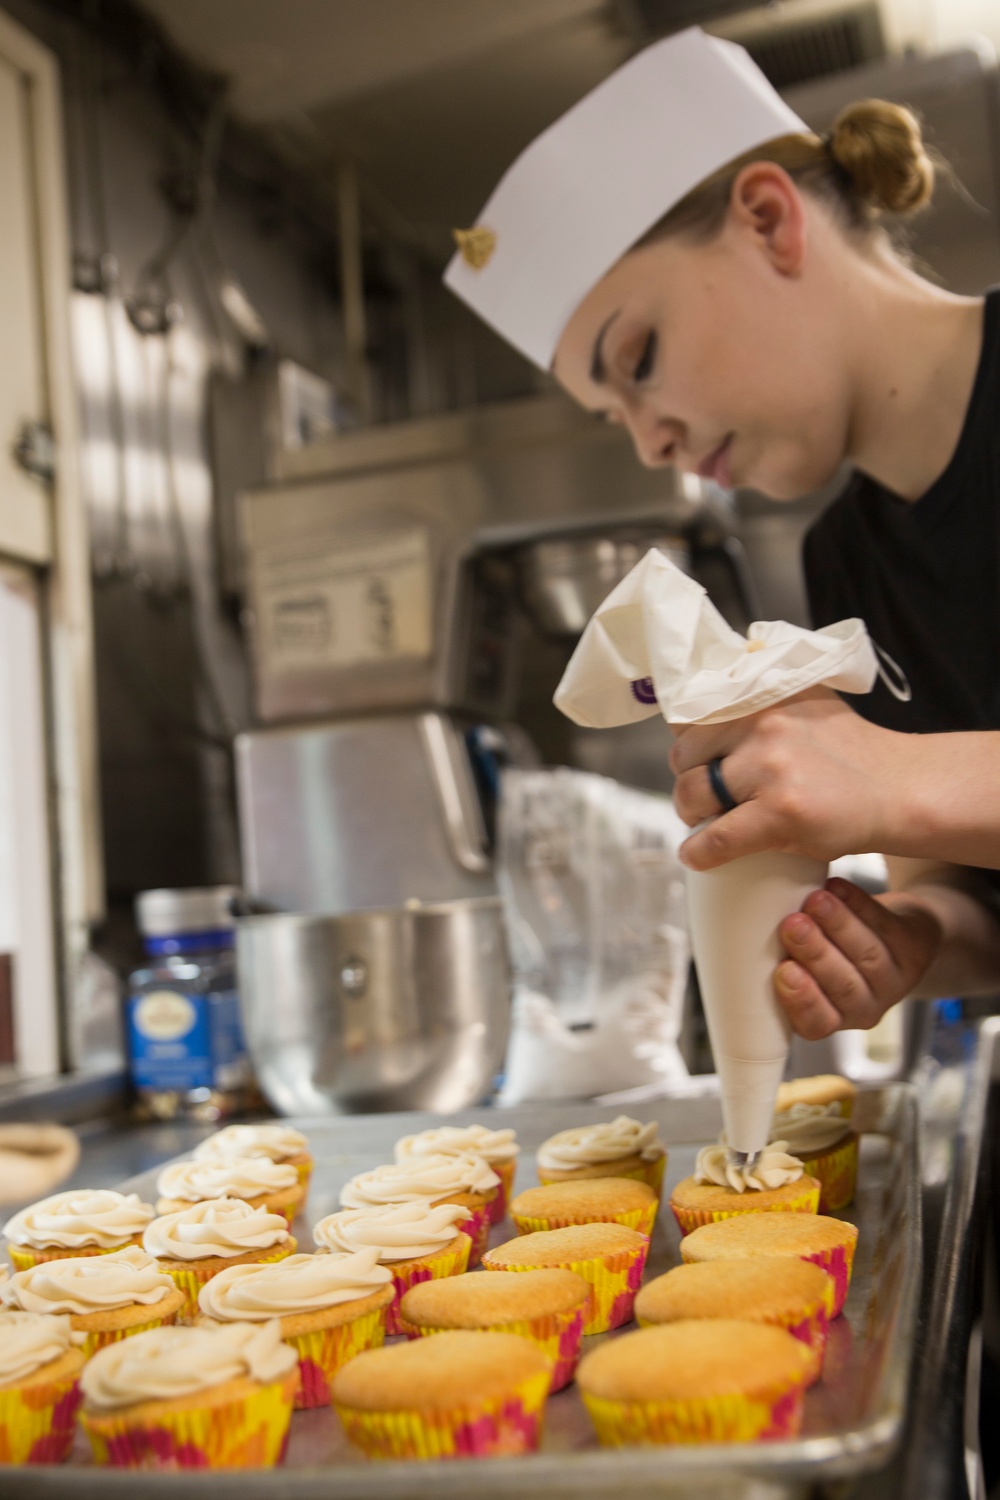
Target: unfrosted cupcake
719,1189
792,1295
40,1369
609,1256
701,1382
107,1297
254,1179
274,1140
458,1395
549,1307
191,1398
464,1178
82,1221
822,1139
498,1147
196,1243
415,1241
588,1200
330,1307
829,1243
616,1148
821,1088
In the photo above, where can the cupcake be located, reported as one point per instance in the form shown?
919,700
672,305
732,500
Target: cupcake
589,1200
548,1307
792,1295
83,1221
275,1141
822,1139
462,1394
415,1241
229,1403
498,1148
197,1242
822,1088
39,1388
254,1179
464,1178
108,1297
617,1148
609,1256
722,1381
829,1243
719,1189
330,1308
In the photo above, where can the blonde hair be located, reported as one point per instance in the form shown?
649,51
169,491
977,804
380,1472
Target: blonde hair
873,164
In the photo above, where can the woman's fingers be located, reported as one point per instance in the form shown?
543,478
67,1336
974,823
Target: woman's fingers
697,744
694,798
807,1008
858,929
748,829
841,982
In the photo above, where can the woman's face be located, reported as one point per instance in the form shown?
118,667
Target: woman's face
725,358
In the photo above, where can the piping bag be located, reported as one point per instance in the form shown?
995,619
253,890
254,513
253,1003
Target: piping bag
658,645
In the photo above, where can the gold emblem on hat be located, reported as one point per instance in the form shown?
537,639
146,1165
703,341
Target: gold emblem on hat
475,245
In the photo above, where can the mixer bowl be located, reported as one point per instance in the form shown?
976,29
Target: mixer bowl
405,1008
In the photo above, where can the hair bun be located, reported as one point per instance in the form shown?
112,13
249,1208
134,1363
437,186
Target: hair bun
880,147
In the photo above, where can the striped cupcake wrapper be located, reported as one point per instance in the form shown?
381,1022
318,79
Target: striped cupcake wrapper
24,1258
641,1219
190,1282
838,1264
94,1340
505,1171
250,1432
492,1427
38,1421
453,1260
478,1229
323,1351
614,1281
716,1419
836,1171
557,1334
805,1202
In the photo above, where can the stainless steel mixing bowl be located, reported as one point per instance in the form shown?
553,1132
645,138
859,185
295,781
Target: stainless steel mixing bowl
407,1008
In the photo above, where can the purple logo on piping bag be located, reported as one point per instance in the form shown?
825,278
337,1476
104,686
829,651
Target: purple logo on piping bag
643,690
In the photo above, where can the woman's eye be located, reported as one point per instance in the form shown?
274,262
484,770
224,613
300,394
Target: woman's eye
644,368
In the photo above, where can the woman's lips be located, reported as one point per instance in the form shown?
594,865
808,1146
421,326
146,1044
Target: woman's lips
716,465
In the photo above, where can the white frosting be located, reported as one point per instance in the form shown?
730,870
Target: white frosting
810,1128
398,1231
774,1168
298,1284
427,1177
588,1145
238,1177
88,1283
28,1341
216,1226
494,1145
277,1142
80,1218
170,1362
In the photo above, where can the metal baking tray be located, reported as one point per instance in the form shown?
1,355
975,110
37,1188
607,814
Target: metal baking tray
853,1416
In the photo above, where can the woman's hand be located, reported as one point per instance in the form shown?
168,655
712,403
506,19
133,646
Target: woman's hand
851,956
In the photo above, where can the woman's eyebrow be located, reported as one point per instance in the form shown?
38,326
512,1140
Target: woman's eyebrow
598,374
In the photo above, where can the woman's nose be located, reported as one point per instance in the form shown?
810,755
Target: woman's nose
655,438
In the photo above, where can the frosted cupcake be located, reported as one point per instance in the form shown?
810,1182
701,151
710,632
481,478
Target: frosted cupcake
498,1147
710,1382
191,1398
719,1189
822,1088
464,1178
822,1139
415,1241
828,1243
457,1395
196,1243
40,1369
589,1200
83,1221
608,1256
274,1140
107,1297
616,1148
330,1307
255,1179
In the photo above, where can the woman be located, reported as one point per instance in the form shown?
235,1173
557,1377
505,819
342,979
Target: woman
760,330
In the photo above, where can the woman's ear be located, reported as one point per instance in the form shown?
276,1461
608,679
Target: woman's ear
766,204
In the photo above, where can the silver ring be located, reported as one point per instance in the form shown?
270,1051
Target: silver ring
721,792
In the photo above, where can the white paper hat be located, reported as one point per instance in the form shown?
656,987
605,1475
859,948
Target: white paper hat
592,184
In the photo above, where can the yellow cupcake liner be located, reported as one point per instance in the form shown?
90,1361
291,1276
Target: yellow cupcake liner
477,1229
38,1421
557,1334
614,1281
24,1258
190,1282
838,1263
250,1432
490,1427
641,1219
836,1171
805,1202
649,1172
505,1171
715,1419
305,1171
447,1262
93,1340
323,1351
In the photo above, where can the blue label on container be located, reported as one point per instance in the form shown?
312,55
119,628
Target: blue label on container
180,1042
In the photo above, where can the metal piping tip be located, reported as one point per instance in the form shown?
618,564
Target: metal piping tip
744,1160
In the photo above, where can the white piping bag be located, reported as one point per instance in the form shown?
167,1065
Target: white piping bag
658,645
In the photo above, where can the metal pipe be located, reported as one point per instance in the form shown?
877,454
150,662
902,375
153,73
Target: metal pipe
352,290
